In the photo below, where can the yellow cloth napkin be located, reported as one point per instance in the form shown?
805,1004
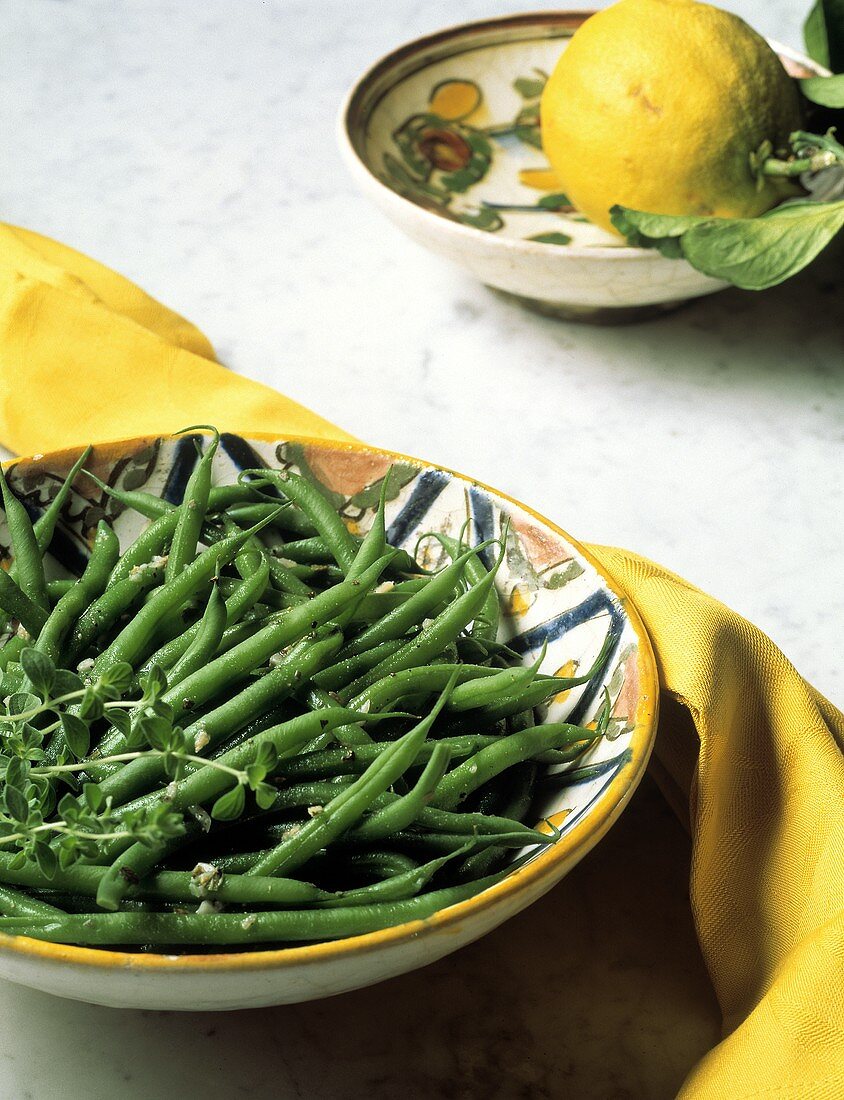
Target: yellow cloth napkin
756,753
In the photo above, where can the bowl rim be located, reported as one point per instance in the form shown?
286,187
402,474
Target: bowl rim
564,853
362,171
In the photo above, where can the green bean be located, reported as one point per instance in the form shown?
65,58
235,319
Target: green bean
58,588
311,551
485,627
288,628
45,525
347,806
351,761
510,750
147,504
12,650
318,509
291,520
273,926
171,885
286,578
302,660
204,645
414,611
192,510
520,797
149,544
73,603
17,605
243,595
101,615
406,809
133,641
431,640
15,904
394,888
29,567
343,672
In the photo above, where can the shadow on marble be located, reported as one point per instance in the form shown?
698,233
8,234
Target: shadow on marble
597,992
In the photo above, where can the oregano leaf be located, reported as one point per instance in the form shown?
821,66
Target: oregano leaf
230,805
39,669
76,734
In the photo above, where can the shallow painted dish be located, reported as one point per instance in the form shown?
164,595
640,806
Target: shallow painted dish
551,591
443,134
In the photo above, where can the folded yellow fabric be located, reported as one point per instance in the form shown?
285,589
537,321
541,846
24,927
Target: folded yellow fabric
85,355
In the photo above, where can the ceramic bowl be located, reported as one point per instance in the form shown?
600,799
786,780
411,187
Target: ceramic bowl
443,134
552,593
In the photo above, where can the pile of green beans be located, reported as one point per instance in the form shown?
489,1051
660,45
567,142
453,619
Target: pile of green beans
252,726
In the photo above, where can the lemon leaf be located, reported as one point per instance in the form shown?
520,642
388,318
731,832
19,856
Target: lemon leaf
823,33
751,253
826,91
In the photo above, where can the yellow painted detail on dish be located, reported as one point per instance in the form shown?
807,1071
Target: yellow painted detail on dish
454,99
541,179
519,602
564,671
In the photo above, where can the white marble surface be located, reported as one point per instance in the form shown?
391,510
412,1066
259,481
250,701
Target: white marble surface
191,145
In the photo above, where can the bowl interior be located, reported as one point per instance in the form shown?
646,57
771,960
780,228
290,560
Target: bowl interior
551,593
451,123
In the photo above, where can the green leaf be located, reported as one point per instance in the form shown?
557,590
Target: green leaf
76,734
16,804
46,859
230,805
17,861
154,684
751,253
154,730
265,795
66,682
39,669
827,91
118,677
91,706
121,720
266,756
21,702
17,772
94,797
823,33
255,775
551,238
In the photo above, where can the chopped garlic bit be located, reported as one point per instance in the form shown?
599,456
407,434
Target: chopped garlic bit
277,658
205,879
426,623
385,586
365,707
158,562
207,906
169,792
247,922
315,811
85,666
201,740
23,633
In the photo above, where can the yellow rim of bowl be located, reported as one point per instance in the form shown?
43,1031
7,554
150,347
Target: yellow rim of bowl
564,853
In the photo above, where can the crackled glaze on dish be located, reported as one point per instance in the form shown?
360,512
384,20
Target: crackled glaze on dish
552,596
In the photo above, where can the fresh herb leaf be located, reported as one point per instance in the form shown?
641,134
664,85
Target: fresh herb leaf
230,805
751,253
39,670
827,91
76,734
823,33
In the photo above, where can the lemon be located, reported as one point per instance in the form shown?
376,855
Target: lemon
659,104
